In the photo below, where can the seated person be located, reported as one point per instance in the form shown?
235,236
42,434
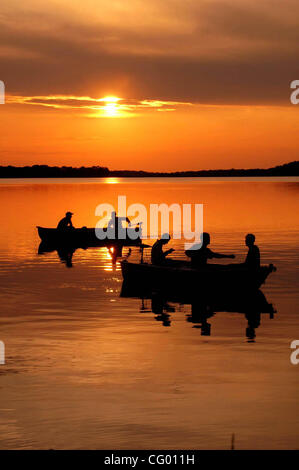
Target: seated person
199,256
252,260
66,222
158,256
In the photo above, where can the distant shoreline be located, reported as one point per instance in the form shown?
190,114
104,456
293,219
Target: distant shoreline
45,171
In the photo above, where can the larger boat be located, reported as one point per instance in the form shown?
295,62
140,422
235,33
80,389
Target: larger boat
182,276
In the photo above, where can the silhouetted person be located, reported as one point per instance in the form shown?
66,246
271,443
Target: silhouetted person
158,256
252,260
66,222
116,223
200,256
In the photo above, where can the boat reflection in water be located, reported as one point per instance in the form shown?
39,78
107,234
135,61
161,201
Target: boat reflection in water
207,297
204,305
65,252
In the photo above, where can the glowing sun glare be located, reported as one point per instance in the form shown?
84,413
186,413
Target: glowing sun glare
111,108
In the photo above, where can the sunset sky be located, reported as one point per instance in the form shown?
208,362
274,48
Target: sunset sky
149,84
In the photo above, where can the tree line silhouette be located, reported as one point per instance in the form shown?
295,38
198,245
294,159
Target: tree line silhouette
45,171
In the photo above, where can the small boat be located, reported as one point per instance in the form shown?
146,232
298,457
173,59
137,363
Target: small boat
182,277
86,237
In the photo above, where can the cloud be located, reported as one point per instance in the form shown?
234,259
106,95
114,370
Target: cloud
97,107
215,52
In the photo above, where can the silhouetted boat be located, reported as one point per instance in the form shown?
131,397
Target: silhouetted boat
86,237
183,277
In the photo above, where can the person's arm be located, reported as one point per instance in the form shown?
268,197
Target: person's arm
167,252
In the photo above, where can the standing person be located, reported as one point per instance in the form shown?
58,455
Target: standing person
253,259
115,224
200,256
66,222
158,256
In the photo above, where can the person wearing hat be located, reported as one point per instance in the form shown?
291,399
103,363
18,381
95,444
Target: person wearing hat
66,222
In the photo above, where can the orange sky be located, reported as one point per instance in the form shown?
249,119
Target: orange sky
201,84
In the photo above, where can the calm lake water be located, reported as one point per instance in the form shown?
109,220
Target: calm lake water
86,368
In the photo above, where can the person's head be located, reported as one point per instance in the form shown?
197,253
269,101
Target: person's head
205,239
68,215
249,239
165,238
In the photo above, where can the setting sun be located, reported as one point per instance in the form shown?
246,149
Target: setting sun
111,108
110,99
